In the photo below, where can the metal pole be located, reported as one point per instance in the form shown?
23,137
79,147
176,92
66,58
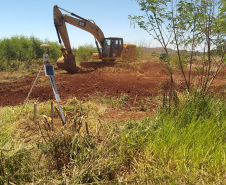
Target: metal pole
57,97
30,90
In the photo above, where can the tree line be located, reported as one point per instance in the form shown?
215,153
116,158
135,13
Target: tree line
22,53
24,48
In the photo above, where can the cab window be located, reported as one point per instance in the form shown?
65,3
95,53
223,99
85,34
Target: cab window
114,44
107,42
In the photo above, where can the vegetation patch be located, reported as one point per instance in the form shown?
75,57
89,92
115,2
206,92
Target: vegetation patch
185,146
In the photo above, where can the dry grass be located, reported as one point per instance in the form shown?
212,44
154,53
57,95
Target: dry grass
6,77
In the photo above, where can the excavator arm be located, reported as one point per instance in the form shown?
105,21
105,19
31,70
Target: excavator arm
68,61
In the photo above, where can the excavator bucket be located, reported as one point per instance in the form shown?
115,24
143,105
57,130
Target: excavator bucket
67,64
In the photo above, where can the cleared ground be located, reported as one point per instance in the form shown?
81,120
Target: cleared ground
138,80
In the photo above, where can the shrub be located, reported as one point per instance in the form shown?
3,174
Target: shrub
174,61
84,53
22,51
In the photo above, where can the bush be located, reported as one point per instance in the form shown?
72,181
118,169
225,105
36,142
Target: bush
145,53
22,51
84,53
175,63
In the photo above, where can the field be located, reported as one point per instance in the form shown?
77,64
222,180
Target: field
116,131
156,119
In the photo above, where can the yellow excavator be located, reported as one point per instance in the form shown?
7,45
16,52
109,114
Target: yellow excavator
112,48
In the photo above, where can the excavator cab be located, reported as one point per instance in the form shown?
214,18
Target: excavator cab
112,48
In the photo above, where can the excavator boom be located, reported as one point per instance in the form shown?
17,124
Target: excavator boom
112,47
67,62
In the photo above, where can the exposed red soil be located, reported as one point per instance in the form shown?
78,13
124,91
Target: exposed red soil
119,114
138,81
86,83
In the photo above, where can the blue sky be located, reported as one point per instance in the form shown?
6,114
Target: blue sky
35,17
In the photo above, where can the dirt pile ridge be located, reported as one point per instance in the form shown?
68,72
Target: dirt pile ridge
141,80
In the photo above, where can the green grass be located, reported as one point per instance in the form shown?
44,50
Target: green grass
189,147
186,146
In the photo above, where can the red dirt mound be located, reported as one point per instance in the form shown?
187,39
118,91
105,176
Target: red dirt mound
85,83
137,80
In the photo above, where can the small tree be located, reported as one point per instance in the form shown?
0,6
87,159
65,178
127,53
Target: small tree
187,25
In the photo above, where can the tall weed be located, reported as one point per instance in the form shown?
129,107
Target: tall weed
186,146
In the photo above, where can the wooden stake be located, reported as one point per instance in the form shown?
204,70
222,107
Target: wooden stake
52,111
135,99
87,129
75,108
35,111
